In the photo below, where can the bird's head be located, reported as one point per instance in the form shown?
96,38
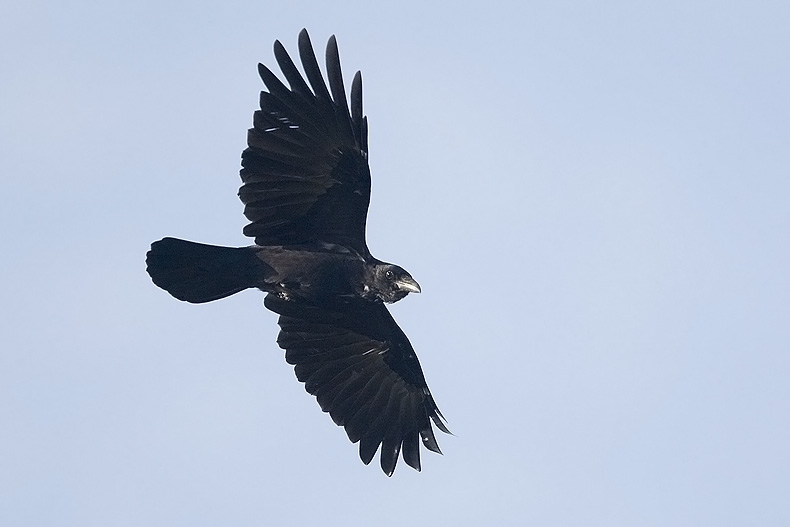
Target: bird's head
389,283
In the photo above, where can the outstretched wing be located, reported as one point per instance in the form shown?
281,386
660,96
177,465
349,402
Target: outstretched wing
362,369
305,172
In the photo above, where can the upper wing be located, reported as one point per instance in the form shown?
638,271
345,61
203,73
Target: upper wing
362,369
305,172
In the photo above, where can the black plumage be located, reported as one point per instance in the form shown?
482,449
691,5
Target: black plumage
306,190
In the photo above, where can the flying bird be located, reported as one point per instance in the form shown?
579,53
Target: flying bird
306,190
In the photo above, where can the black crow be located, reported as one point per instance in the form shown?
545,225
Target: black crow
306,190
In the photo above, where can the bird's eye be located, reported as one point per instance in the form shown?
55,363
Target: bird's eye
390,275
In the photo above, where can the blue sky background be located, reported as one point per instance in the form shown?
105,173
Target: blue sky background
594,196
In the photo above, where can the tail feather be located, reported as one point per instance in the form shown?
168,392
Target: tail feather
198,273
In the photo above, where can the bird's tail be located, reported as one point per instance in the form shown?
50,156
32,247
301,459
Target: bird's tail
199,273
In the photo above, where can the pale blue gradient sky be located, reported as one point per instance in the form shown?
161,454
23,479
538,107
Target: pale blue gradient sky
626,364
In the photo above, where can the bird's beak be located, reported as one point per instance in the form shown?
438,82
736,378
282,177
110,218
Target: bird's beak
409,285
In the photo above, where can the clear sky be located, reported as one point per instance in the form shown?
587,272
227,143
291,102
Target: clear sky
594,196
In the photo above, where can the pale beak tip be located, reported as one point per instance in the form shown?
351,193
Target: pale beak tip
410,286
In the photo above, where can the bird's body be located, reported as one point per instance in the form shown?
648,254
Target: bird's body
199,273
306,189
311,275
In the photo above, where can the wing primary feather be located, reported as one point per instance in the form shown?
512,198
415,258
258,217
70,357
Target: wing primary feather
372,438
311,68
429,440
411,450
393,436
434,413
273,84
292,75
356,107
390,450
364,144
367,450
335,75
437,419
411,438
